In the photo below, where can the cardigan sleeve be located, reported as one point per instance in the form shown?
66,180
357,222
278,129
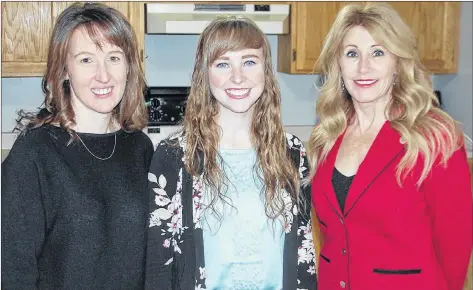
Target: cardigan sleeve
163,204
448,191
23,217
306,277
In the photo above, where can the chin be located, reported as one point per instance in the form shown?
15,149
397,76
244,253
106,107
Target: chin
239,110
365,99
104,109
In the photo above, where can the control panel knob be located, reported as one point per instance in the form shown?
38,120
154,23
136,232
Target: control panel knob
156,103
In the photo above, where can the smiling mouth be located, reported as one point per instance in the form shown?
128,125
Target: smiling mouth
238,93
365,83
102,92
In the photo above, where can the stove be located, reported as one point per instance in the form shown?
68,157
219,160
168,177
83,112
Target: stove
166,107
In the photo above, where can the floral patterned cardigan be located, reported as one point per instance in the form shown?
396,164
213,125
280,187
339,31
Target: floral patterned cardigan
175,250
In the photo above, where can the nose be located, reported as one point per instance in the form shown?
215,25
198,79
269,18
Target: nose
102,75
237,75
364,65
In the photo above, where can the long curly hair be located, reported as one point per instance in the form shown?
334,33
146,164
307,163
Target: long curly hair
202,133
413,110
102,23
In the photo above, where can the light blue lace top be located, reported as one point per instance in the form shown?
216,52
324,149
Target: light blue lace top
245,250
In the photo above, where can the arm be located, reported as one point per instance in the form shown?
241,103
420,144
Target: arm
449,196
148,152
23,220
307,257
162,179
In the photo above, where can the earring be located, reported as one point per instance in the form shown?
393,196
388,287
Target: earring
394,79
343,84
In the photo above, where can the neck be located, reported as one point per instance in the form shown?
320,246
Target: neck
235,129
95,123
369,116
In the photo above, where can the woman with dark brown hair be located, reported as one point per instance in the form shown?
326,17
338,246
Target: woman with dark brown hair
74,202
227,209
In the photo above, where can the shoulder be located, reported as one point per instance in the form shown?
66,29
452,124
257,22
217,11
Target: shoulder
34,144
297,151
169,149
34,139
294,143
138,137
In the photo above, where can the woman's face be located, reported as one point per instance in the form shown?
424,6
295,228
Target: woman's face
237,80
368,69
97,75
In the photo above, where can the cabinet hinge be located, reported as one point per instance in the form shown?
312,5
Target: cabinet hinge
293,55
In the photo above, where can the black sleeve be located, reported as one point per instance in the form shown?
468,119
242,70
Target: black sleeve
162,184
307,278
149,151
23,217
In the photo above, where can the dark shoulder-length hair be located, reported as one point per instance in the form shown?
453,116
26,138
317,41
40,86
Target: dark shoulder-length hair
102,24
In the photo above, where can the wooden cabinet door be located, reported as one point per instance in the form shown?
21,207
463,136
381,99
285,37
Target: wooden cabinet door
27,26
437,29
313,22
310,23
436,25
25,30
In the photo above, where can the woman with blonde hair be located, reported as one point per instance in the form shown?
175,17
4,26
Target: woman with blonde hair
227,209
74,200
390,181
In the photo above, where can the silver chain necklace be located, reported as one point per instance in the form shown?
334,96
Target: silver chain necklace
113,151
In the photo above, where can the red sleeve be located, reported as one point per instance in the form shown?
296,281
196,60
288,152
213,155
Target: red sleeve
448,191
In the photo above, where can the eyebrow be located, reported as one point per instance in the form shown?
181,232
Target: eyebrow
250,56
243,57
357,46
90,53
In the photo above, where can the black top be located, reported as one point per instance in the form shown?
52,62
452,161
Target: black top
341,186
70,220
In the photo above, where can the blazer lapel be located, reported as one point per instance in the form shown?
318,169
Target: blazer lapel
325,171
386,146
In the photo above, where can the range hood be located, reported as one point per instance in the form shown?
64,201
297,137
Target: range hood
180,18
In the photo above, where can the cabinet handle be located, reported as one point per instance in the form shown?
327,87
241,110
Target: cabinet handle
293,55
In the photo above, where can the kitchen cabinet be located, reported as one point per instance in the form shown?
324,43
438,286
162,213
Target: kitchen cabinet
435,24
26,28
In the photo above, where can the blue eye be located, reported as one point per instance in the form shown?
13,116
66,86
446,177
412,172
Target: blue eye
351,53
86,60
222,65
249,63
115,58
378,52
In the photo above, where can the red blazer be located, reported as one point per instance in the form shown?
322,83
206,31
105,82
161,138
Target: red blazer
391,237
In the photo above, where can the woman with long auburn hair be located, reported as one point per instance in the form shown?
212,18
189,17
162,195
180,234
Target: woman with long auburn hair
391,185
227,208
74,200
